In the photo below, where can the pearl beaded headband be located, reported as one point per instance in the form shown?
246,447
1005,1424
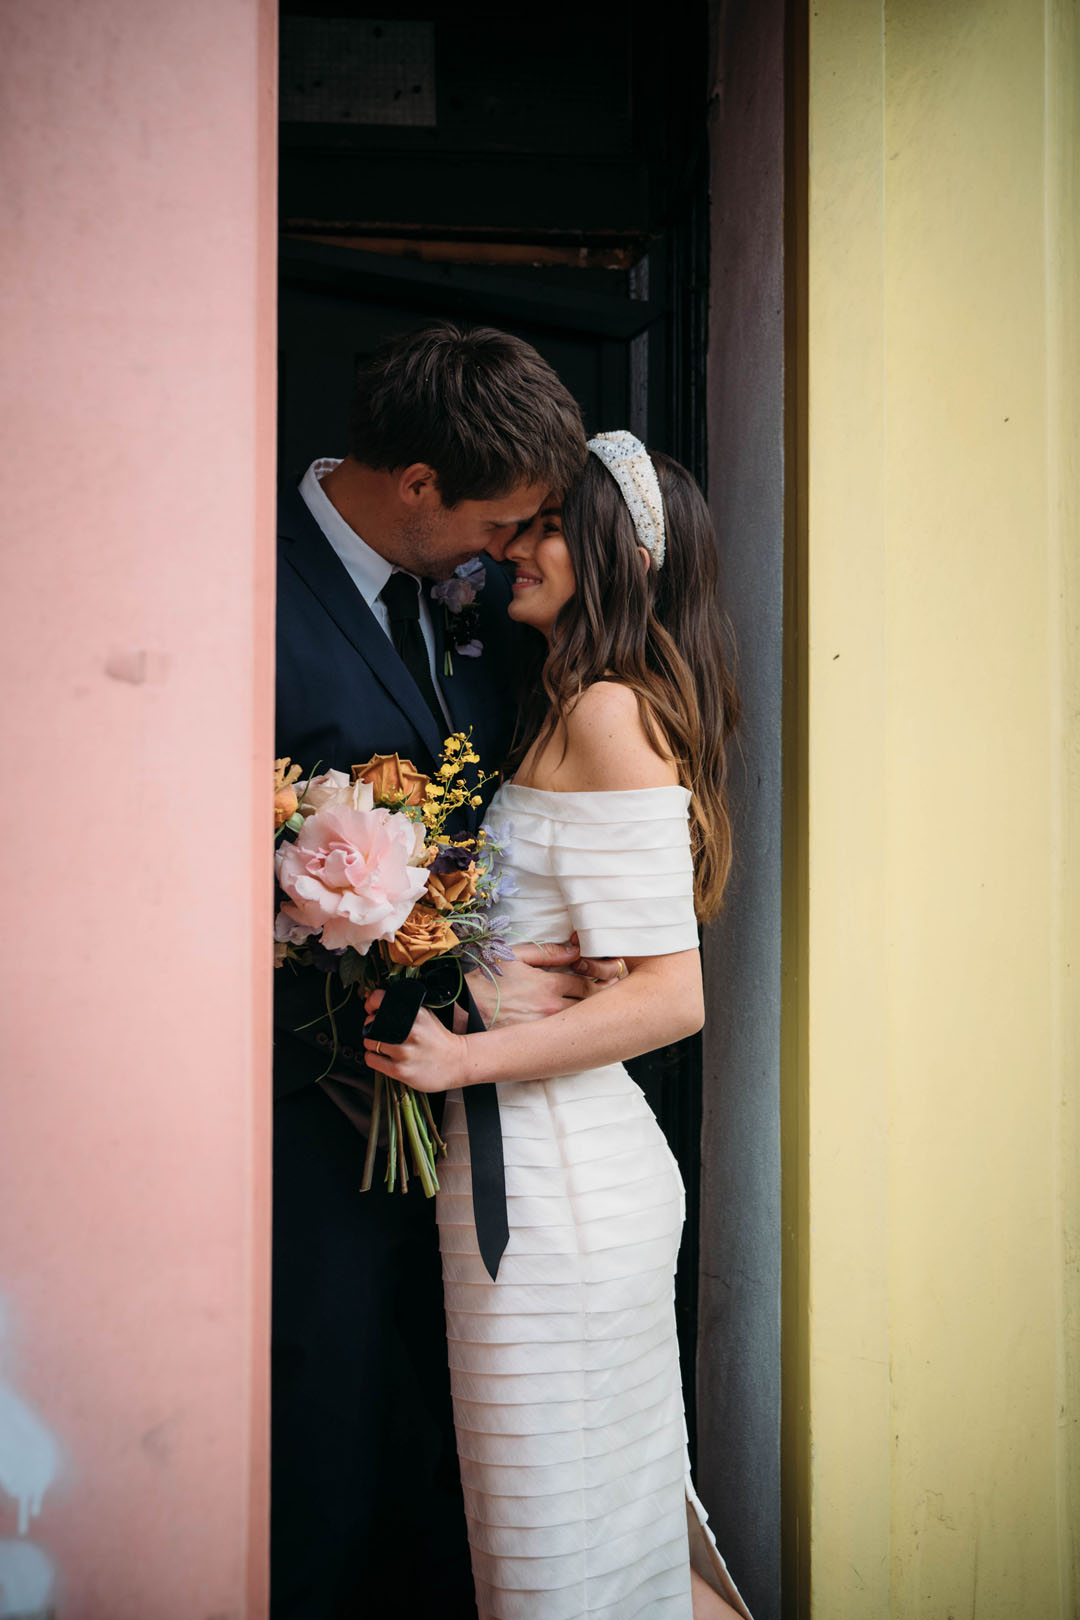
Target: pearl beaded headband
627,460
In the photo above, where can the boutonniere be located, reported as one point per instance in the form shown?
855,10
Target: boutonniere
458,597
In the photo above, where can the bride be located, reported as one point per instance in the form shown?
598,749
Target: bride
567,1397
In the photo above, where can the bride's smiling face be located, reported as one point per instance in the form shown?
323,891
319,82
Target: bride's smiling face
545,574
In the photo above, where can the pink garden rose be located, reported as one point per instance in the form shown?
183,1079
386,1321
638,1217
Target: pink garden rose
333,788
348,874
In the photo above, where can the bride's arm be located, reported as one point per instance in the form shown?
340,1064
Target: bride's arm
660,1001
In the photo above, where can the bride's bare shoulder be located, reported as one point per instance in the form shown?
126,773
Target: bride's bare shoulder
607,745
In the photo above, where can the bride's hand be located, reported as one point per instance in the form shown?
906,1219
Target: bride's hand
432,1059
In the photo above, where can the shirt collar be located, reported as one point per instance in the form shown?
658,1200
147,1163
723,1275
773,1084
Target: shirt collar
368,571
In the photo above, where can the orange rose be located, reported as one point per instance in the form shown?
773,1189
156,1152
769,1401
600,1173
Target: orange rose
285,802
393,780
285,774
446,889
424,934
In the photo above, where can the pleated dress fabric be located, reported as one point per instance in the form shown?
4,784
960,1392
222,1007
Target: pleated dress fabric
565,1371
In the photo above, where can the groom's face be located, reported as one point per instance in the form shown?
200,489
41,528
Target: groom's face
433,539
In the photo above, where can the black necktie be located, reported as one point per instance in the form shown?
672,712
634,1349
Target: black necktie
401,594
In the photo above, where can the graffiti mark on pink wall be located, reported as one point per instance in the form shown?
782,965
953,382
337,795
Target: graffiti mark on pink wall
29,1459
26,1579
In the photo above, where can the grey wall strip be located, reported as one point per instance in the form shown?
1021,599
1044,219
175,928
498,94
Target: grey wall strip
739,1312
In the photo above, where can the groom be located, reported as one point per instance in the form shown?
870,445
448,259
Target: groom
455,439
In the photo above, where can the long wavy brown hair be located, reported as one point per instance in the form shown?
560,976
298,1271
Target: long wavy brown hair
660,632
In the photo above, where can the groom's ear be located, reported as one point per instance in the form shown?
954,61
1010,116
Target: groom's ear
418,486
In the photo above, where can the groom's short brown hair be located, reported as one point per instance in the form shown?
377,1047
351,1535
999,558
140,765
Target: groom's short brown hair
479,407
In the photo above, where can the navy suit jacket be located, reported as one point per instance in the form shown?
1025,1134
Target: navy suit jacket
343,694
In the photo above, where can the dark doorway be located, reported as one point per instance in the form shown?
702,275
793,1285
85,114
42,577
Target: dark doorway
466,161
544,176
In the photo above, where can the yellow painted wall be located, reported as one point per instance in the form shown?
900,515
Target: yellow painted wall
933,1073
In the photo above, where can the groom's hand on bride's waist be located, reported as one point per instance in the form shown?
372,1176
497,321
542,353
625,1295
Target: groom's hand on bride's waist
541,980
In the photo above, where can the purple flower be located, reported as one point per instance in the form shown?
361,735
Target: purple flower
286,931
491,952
501,886
458,596
479,926
452,858
454,593
460,589
482,941
326,961
500,843
473,571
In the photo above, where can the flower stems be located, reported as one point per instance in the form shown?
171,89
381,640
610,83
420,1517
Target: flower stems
400,1137
391,1157
410,1125
432,1127
373,1133
423,1158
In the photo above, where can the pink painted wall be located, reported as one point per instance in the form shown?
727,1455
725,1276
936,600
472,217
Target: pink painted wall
136,490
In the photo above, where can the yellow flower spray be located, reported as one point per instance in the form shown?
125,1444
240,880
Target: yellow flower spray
449,789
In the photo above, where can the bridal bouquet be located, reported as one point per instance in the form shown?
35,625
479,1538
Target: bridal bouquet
371,887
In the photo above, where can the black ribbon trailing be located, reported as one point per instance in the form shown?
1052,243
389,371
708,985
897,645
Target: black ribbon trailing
391,1023
486,1154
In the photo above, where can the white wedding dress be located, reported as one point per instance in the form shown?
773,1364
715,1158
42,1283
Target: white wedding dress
565,1371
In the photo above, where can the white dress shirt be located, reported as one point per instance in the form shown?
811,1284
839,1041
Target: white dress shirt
368,571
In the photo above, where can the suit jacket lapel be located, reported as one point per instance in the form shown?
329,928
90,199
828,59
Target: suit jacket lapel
308,551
